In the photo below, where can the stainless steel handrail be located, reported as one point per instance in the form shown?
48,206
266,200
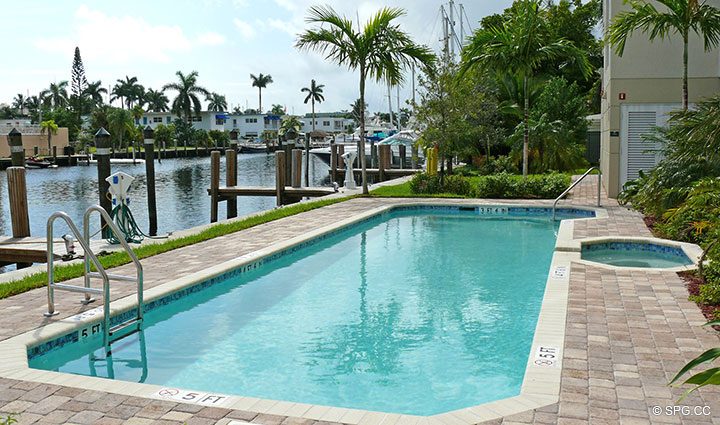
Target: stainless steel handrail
89,257
575,183
120,237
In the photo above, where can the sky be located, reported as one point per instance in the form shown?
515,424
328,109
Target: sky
224,40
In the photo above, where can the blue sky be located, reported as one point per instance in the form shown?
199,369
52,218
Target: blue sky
224,40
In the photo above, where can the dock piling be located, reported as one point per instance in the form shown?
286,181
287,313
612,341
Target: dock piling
149,143
231,178
403,152
17,188
340,153
414,157
102,153
280,171
297,155
333,162
214,185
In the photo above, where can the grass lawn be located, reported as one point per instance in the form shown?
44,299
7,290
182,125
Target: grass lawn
115,259
403,191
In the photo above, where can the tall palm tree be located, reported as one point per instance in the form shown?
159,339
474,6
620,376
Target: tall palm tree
56,95
156,100
216,102
277,110
521,44
379,50
93,94
187,101
678,17
261,81
314,95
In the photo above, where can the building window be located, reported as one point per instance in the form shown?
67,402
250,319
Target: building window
168,120
250,120
219,121
326,123
197,119
234,122
157,119
144,120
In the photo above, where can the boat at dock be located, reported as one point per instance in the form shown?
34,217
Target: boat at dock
34,162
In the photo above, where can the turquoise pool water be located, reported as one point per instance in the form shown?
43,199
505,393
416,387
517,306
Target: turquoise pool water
635,254
417,312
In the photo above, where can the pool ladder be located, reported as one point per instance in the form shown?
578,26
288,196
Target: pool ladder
110,334
577,182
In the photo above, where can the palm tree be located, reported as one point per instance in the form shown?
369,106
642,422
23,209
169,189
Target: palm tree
56,95
120,122
521,44
314,95
677,17
187,101
378,50
49,127
156,100
93,93
261,81
128,91
277,110
19,103
216,102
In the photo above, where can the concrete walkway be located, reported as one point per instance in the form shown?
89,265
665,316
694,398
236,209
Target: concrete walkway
626,334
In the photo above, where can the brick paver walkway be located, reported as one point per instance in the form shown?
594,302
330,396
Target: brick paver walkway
626,334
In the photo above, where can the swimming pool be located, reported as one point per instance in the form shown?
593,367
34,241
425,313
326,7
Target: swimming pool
418,310
643,254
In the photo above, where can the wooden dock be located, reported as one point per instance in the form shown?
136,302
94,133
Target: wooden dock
34,250
232,191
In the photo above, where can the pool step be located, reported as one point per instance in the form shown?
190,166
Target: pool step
117,332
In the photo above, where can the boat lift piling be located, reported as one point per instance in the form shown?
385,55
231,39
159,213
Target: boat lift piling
384,160
284,193
102,152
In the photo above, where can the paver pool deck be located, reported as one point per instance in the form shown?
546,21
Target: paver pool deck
627,333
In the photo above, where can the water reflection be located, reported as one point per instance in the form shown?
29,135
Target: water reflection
181,190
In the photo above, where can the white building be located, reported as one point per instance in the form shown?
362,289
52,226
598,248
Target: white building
329,122
248,126
207,120
253,125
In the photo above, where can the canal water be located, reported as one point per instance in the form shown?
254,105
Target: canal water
181,190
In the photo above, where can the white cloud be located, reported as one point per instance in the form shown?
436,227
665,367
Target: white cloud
122,39
246,30
289,27
288,5
210,39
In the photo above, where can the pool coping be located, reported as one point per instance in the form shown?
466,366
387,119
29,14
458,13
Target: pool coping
541,382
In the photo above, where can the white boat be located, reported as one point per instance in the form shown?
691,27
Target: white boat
119,160
405,137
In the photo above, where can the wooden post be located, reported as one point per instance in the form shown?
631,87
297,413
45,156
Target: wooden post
403,152
288,148
149,144
385,160
17,152
231,179
297,155
214,185
333,162
280,176
54,153
17,190
414,157
373,154
36,150
381,163
102,153
341,162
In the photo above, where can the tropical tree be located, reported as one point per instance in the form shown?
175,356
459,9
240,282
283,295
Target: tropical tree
56,95
187,101
261,81
49,127
128,91
156,101
277,110
379,50
677,17
314,94
93,94
237,110
358,110
216,102
521,44
120,122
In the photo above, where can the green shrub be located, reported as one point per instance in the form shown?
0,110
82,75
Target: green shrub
425,184
503,185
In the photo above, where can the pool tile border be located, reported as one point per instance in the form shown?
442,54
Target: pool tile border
541,384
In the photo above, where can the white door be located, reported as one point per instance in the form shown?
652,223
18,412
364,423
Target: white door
637,122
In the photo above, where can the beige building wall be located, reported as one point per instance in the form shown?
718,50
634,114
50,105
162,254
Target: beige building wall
32,138
647,73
